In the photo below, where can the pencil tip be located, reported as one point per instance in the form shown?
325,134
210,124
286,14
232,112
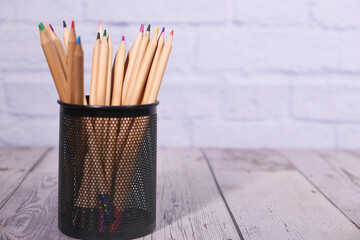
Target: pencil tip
78,41
40,27
163,30
172,32
142,28
148,28
64,24
99,22
98,36
123,38
157,30
47,25
104,33
51,27
72,24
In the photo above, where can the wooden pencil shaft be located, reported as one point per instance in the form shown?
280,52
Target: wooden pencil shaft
55,67
61,55
71,45
66,39
131,64
150,80
109,78
151,96
139,58
77,83
136,93
118,75
94,71
102,73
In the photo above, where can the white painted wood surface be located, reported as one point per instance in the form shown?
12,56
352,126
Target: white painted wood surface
271,200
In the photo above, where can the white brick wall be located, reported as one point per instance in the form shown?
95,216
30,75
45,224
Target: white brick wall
252,74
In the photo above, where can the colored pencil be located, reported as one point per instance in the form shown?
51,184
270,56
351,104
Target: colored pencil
71,47
109,78
60,50
119,65
150,80
54,65
102,71
66,36
151,95
100,30
77,83
94,71
132,58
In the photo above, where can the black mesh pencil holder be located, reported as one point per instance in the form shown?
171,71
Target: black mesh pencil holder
107,171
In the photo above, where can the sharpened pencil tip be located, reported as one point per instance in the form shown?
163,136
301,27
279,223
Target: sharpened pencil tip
98,36
104,33
148,28
172,32
123,38
142,28
64,24
42,25
72,24
163,30
40,28
78,41
51,27
157,30
99,22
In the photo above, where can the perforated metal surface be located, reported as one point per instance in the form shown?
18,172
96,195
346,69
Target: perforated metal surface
107,171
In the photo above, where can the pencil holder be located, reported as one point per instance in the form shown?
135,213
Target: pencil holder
107,171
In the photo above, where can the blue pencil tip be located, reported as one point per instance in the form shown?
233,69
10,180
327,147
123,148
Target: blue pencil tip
78,41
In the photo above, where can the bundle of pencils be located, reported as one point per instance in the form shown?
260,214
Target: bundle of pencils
130,80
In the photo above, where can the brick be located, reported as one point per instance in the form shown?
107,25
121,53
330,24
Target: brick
26,95
48,11
253,102
137,11
268,134
175,132
330,102
299,51
187,101
348,136
336,13
272,13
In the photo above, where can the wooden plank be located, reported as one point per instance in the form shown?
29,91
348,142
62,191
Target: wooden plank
15,164
276,204
189,205
336,174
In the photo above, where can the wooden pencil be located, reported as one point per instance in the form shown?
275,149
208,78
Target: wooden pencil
119,65
138,90
94,71
150,79
54,65
100,30
77,96
71,48
151,95
65,36
109,77
139,59
60,50
131,64
102,71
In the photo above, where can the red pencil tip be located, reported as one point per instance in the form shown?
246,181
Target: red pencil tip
172,32
99,22
72,24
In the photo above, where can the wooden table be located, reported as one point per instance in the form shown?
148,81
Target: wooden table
206,194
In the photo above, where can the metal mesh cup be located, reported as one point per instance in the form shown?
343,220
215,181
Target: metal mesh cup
107,171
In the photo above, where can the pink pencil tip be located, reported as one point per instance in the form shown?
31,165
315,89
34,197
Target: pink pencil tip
123,38
99,22
72,24
142,28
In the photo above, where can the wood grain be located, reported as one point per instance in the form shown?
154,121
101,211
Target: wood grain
276,204
15,164
336,174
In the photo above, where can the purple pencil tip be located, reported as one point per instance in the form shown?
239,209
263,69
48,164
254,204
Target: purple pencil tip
64,24
51,27
163,30
123,38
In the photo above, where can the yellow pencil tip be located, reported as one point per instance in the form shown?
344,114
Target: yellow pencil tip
157,30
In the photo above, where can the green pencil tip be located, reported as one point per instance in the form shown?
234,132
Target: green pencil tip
104,33
41,27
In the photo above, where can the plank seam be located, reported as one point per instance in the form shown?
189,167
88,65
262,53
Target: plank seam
318,189
222,195
25,176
